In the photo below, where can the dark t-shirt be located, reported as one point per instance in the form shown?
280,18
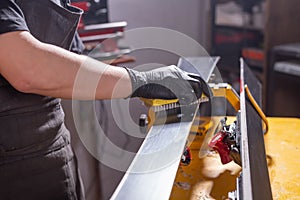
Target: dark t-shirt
26,120
12,101
11,17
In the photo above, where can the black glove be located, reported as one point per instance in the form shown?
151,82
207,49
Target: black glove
166,83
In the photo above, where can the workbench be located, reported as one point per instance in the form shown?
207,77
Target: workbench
207,178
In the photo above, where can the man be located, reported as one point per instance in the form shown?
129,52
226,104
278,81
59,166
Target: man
36,160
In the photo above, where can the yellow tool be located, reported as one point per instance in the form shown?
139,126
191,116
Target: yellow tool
168,111
258,109
225,90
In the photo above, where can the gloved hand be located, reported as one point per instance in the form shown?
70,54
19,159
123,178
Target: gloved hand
166,83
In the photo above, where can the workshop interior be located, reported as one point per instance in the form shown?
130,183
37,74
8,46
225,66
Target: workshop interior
239,140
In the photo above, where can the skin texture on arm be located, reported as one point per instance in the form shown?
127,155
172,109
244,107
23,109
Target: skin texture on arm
35,67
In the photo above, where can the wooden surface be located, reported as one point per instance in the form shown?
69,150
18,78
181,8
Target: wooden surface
207,178
283,151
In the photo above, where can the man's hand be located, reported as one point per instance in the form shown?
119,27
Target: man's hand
166,83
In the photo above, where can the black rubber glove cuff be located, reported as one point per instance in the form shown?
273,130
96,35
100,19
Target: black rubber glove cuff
138,79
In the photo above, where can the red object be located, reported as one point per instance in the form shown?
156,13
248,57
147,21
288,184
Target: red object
105,28
92,34
186,156
234,38
218,144
254,54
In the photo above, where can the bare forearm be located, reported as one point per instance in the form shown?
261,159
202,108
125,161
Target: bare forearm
81,77
49,70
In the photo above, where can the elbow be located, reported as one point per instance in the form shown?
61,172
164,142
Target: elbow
23,85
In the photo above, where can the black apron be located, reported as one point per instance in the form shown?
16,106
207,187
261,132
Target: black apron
36,159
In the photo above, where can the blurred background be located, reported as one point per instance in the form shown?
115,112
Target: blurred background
265,33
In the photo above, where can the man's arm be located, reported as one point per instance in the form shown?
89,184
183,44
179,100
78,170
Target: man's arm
35,67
